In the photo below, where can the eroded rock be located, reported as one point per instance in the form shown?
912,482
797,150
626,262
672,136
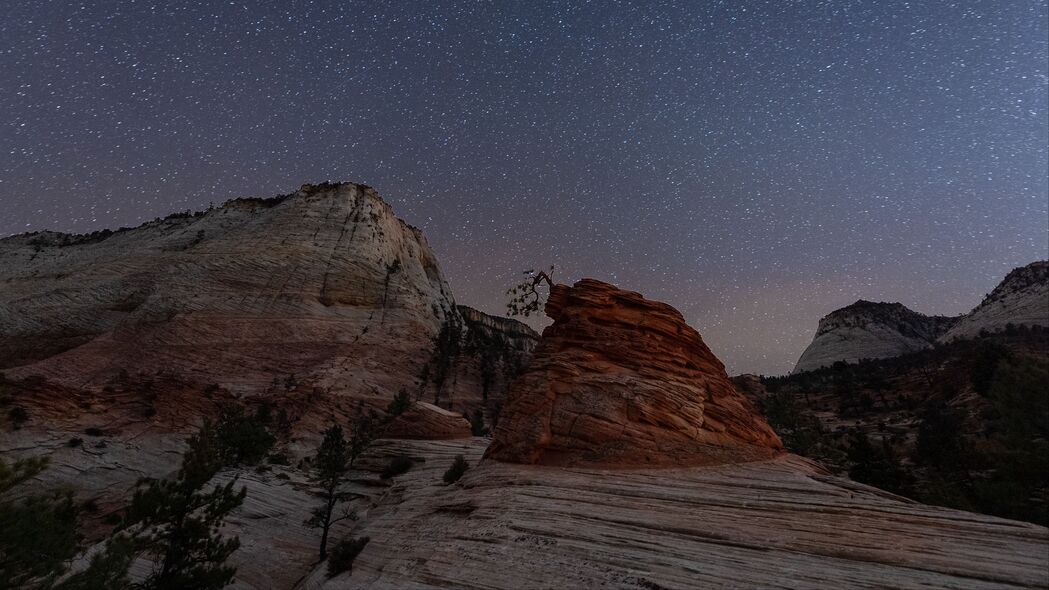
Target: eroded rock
620,380
423,421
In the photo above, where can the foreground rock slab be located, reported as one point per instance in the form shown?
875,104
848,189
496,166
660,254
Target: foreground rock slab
620,380
780,523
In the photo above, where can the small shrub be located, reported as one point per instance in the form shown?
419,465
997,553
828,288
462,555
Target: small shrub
18,416
243,439
283,476
93,431
401,402
343,554
397,466
456,471
74,442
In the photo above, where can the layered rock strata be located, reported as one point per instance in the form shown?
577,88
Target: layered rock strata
428,422
620,380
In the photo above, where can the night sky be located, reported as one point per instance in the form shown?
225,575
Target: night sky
755,164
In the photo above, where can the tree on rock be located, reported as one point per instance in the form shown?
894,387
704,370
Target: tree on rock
335,459
175,523
525,299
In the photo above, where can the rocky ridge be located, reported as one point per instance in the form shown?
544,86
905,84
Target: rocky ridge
868,330
427,422
1021,299
620,380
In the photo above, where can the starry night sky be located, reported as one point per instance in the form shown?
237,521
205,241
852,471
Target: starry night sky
755,164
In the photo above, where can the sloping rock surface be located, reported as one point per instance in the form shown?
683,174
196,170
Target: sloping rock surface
325,284
428,422
1021,299
620,380
780,523
324,287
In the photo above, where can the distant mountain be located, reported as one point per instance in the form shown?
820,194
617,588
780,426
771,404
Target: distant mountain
868,330
1021,299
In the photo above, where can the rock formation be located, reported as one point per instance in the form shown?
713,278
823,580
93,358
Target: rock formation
423,421
1021,299
114,346
872,330
324,287
882,330
618,380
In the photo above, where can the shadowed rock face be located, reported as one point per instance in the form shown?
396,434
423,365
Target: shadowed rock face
425,421
619,380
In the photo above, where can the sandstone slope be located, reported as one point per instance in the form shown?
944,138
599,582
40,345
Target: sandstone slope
780,523
428,422
620,380
323,284
323,287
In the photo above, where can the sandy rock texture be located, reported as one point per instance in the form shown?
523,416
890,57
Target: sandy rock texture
324,284
1021,299
779,523
428,422
621,380
869,330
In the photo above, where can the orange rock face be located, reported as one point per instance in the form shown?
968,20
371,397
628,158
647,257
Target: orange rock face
618,380
423,421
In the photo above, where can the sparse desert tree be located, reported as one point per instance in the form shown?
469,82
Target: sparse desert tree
175,523
335,459
400,402
343,554
525,298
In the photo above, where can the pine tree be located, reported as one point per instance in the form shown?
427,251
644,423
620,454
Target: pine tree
335,458
176,524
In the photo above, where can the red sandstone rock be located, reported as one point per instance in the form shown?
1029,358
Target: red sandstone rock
619,380
425,421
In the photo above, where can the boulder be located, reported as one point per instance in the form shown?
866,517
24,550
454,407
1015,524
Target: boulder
619,380
423,421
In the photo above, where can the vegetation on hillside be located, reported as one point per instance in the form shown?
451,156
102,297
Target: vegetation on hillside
964,425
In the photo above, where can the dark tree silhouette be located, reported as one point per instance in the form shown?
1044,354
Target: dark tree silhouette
525,298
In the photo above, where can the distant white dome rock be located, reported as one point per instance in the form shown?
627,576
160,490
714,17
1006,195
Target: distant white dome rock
868,330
